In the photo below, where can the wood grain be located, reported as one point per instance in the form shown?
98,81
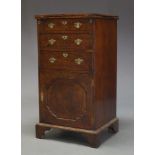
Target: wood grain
78,97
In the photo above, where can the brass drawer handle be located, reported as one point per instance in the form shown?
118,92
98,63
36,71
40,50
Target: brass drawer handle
65,37
78,61
52,60
51,25
77,25
51,41
78,41
64,22
65,55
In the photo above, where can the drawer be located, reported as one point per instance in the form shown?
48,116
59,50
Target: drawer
52,25
66,60
66,41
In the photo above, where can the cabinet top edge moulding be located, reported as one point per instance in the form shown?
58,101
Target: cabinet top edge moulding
103,16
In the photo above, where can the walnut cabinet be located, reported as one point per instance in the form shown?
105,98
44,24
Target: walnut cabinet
77,55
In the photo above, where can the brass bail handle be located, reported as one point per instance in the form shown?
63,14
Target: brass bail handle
78,61
52,60
51,41
51,25
77,25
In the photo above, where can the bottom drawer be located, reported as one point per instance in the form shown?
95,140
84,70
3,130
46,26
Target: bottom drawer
66,99
66,60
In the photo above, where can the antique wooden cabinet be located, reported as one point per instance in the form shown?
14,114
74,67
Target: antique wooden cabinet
77,74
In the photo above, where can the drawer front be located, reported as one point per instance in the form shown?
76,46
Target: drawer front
81,61
52,25
66,41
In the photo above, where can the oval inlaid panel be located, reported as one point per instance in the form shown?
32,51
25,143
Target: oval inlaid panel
66,99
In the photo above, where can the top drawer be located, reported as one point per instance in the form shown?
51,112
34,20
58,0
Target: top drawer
52,25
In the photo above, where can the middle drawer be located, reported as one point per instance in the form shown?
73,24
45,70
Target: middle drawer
65,41
75,61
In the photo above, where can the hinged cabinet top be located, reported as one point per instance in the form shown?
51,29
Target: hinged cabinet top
104,16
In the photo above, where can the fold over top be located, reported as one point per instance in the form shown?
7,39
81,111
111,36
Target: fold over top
93,15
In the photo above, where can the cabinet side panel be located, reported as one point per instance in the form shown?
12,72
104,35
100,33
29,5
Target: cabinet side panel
39,82
105,71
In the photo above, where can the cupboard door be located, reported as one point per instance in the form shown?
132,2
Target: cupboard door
66,99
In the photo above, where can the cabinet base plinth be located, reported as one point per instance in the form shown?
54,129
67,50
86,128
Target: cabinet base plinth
93,137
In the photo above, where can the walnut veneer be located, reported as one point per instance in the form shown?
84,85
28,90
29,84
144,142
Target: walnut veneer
77,74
